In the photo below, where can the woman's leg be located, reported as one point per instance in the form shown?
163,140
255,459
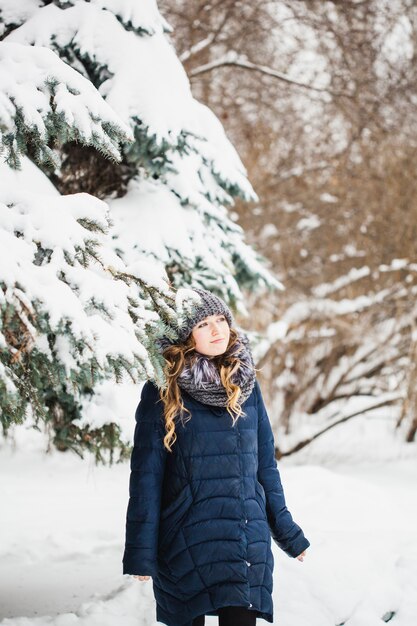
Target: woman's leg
199,621
233,615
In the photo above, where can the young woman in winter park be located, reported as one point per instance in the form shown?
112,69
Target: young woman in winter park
205,490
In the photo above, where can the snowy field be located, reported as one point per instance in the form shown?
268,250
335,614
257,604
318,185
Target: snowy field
353,492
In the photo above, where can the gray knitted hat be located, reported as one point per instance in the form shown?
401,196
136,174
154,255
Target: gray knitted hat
210,305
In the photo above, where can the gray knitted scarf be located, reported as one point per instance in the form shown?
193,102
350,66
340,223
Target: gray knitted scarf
201,376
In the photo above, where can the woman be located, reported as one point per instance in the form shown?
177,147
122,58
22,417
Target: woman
205,490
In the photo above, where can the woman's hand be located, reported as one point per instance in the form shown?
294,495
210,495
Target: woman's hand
301,556
142,577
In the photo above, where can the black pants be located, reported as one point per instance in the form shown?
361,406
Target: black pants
231,616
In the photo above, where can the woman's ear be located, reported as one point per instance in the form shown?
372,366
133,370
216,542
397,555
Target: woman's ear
190,342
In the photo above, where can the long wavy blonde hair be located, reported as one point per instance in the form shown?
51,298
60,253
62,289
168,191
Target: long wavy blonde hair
176,357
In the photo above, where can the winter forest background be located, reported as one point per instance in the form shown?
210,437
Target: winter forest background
262,150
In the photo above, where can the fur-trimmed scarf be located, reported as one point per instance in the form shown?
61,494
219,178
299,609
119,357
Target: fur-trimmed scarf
201,376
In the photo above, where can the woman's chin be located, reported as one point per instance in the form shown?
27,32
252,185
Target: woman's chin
213,349
218,349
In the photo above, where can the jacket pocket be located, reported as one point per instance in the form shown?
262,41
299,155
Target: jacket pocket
172,516
261,491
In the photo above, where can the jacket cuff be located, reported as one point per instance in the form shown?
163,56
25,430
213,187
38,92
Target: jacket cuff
135,563
297,547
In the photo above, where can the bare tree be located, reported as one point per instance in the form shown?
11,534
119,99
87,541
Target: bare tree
319,98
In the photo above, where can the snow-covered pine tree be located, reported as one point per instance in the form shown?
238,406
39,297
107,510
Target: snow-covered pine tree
176,180
71,312
88,303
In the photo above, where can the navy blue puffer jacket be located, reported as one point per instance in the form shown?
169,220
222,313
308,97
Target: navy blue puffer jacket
200,519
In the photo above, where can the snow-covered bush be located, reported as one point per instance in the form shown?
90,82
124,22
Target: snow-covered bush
332,357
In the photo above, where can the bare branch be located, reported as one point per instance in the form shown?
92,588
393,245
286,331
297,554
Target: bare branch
302,444
232,60
201,45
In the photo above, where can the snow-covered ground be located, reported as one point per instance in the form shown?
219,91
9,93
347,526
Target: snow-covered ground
353,492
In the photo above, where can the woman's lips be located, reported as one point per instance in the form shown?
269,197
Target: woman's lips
217,340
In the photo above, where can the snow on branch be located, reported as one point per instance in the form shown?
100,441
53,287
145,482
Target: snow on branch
385,400
59,276
14,13
43,101
142,17
357,273
353,275
232,59
335,359
198,47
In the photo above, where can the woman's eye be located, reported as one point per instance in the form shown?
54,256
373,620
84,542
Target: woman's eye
220,319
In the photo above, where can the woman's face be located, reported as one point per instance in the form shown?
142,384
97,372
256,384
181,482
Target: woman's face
211,335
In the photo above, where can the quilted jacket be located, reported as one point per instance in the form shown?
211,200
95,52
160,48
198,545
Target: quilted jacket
200,519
